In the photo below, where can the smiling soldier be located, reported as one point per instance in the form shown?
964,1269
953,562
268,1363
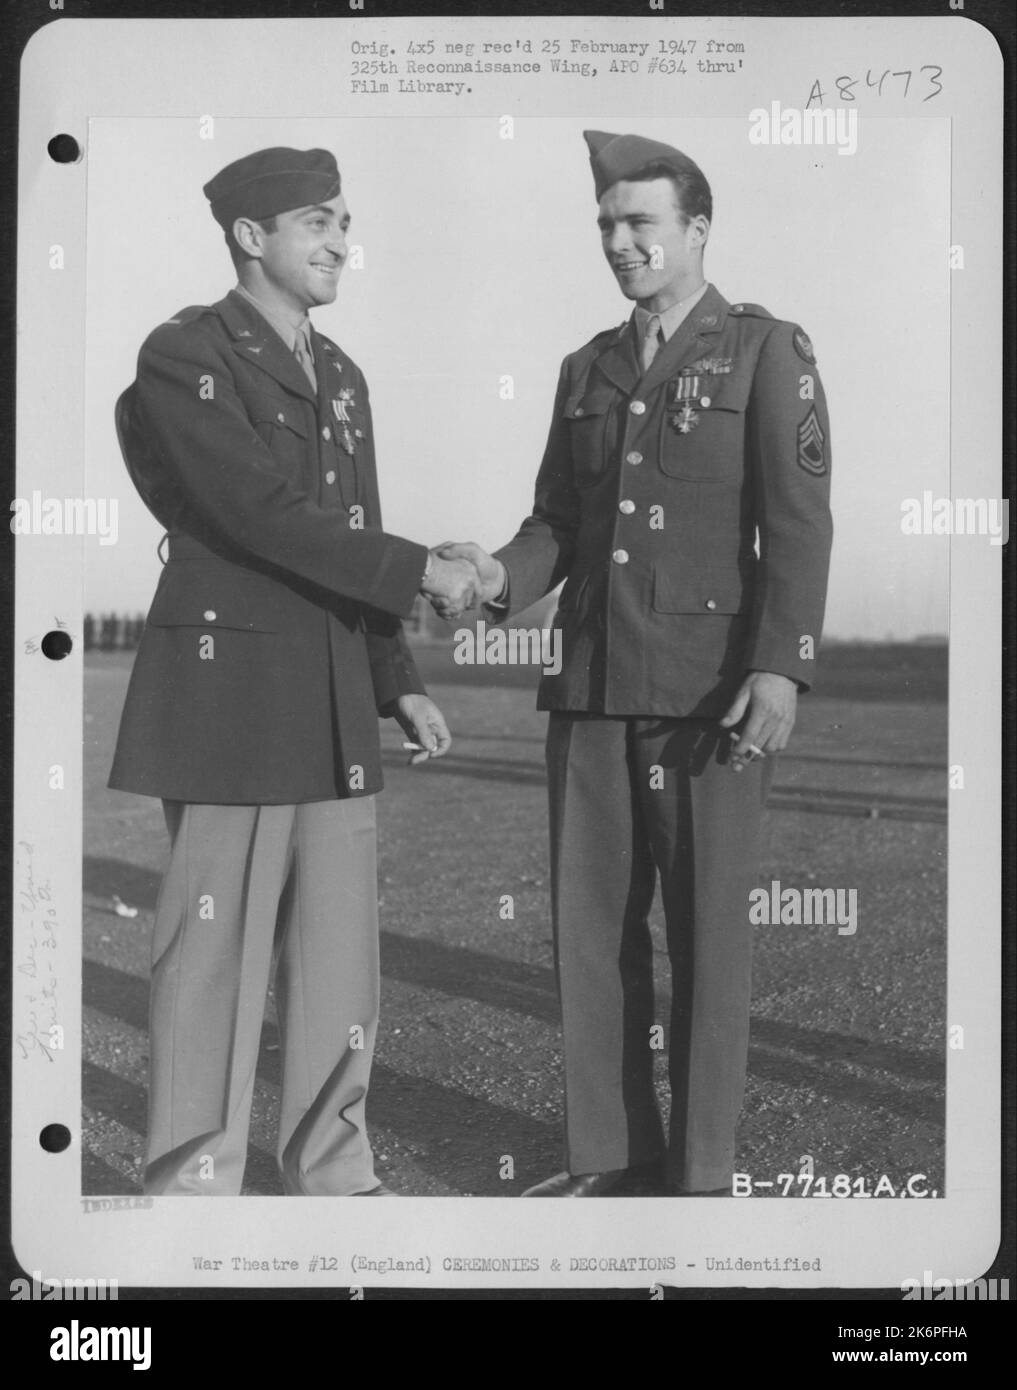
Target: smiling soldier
273,643
683,497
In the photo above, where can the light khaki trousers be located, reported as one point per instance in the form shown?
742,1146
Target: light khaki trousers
246,885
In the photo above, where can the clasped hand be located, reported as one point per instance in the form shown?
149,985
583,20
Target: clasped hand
461,576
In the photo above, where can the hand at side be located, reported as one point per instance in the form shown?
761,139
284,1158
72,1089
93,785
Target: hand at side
767,703
422,722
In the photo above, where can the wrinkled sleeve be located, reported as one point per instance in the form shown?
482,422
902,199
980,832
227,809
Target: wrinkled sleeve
540,554
789,453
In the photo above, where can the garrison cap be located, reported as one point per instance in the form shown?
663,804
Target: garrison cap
615,157
271,181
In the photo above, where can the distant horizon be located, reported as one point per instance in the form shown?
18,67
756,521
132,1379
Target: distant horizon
925,639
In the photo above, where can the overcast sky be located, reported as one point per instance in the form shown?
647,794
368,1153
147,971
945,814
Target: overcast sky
482,259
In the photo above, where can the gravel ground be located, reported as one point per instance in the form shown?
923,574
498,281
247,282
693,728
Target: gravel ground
846,1063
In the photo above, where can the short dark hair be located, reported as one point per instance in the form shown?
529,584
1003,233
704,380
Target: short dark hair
690,188
237,256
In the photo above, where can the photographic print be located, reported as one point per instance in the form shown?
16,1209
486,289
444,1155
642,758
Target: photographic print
508,541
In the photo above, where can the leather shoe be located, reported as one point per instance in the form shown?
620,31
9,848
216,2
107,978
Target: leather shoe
380,1191
621,1182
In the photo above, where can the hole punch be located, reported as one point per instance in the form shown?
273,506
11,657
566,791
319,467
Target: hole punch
55,1138
64,149
57,644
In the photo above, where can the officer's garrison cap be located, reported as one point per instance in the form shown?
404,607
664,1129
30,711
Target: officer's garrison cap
271,181
616,157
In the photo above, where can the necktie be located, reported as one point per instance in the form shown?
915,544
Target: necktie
651,342
302,352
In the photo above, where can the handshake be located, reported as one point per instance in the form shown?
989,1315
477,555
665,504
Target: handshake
461,576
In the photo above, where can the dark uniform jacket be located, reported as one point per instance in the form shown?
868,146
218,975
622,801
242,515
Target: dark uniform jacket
274,639
650,498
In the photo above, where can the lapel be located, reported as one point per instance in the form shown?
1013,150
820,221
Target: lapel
618,361
696,337
255,340
328,370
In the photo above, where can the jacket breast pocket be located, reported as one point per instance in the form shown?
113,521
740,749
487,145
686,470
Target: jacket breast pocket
193,593
703,438
281,423
691,589
592,430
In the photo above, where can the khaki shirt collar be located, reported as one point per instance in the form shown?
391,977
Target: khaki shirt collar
288,331
671,318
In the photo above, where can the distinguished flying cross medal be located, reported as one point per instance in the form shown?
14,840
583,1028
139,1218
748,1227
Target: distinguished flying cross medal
339,404
686,391
681,416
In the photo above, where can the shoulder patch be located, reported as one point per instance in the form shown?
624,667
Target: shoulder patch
803,346
751,311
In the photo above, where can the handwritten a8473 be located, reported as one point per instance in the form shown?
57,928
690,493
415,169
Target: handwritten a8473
920,84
